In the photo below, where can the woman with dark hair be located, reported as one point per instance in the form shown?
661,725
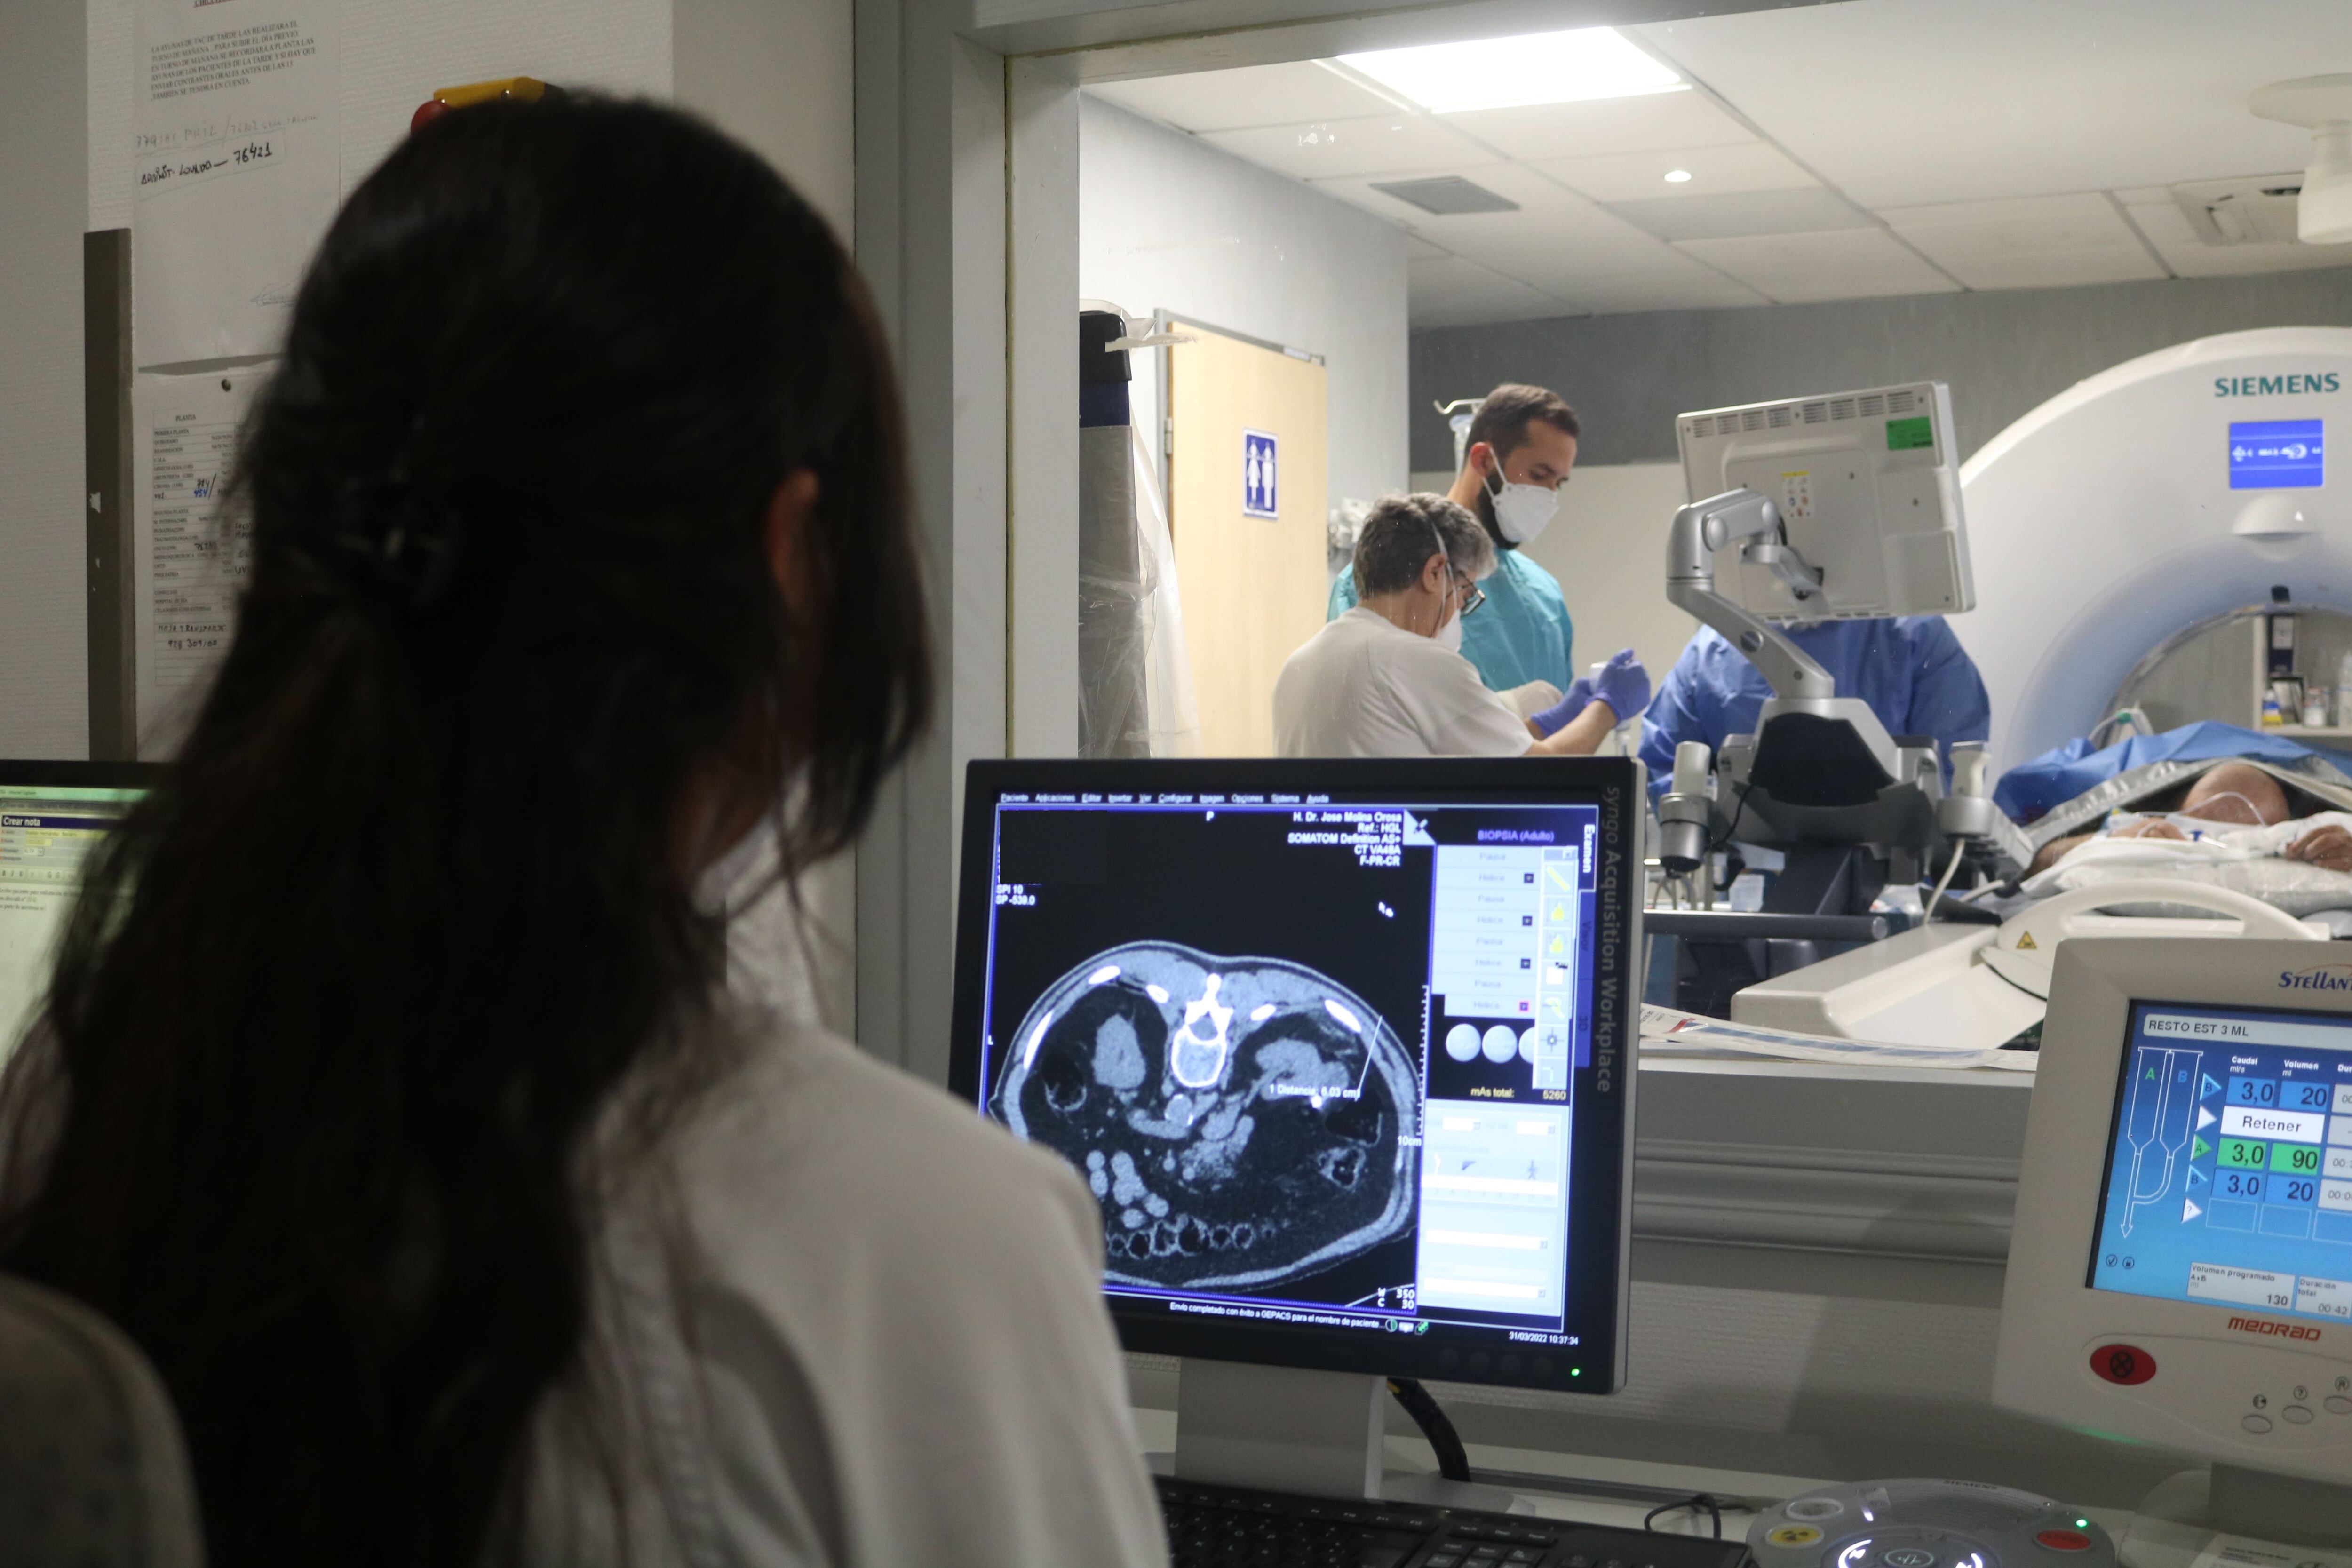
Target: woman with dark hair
389,1091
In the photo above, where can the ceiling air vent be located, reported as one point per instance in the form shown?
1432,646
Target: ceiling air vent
2254,209
1448,196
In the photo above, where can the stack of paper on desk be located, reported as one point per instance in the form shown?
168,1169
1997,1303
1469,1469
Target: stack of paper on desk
1668,1032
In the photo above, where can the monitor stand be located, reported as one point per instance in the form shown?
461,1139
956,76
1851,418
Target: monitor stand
1279,1428
2176,1521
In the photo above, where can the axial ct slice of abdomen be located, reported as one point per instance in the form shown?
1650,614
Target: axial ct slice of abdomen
1242,1121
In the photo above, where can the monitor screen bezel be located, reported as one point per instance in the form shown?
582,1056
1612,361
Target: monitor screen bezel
2052,1318
1602,1236
39,771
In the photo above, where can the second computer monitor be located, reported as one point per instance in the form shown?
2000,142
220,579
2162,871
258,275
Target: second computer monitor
1868,487
1343,1050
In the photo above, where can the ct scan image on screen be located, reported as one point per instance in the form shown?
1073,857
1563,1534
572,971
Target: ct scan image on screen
1315,1058
2230,1165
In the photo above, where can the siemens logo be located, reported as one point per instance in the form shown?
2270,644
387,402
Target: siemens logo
2286,1330
2273,385
2328,977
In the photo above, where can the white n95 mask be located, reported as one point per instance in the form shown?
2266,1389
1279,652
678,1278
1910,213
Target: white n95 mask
1449,635
1523,511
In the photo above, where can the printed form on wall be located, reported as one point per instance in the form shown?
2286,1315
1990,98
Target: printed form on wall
235,170
188,561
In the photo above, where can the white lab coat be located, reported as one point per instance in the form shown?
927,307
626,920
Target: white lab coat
837,1318
1363,687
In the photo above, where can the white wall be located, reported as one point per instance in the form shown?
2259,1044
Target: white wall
1608,548
43,709
1168,222
777,74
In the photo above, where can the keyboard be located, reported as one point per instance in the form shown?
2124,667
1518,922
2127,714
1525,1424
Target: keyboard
1227,1527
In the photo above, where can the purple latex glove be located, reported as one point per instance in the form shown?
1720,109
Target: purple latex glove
1622,684
1550,720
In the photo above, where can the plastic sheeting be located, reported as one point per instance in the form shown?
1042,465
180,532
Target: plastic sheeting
1135,680
2031,790
1174,717
1114,629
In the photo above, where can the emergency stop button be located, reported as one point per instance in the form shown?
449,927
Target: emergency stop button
2063,1540
2123,1364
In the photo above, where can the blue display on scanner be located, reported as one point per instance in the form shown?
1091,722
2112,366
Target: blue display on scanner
2277,454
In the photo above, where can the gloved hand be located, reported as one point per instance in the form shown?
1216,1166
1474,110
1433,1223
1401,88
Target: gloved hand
1622,684
1550,720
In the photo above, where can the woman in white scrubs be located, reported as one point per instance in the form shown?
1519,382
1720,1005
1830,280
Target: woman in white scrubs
1387,678
390,1091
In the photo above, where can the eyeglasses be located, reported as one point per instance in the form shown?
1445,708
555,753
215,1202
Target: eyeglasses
1476,596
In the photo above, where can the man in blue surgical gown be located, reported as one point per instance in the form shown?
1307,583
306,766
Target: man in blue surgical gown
1522,445
1912,671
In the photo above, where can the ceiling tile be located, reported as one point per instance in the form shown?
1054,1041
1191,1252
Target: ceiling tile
1649,124
1388,144
1713,170
1900,101
1553,227
2167,229
1451,292
1845,264
1681,284
1743,213
2053,268
1251,95
2082,221
2028,242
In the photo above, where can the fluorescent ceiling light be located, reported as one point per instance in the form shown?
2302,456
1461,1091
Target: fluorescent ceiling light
1508,73
1677,176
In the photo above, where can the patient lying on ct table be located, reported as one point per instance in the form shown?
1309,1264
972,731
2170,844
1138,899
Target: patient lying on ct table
2233,826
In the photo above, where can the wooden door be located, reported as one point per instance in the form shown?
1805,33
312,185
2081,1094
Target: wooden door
1253,585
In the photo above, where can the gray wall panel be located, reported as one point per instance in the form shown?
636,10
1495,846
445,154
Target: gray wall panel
2003,353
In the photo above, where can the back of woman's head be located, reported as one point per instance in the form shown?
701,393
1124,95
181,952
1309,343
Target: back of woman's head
344,995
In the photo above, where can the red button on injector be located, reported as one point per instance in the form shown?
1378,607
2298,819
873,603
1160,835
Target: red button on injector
2063,1540
2123,1364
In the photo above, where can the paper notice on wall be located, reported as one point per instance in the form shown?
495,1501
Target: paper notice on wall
189,559
234,169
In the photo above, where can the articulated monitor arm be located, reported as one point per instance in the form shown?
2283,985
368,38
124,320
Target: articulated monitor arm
1700,530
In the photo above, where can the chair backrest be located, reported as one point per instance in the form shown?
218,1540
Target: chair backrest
93,1471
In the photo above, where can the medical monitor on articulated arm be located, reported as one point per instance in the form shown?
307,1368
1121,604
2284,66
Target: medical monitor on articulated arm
1343,1050
2181,1270
1814,509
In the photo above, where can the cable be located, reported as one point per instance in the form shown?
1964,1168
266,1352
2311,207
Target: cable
1739,808
1702,1503
1452,1462
1942,883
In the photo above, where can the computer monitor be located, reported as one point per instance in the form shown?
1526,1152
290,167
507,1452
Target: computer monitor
1868,487
2181,1272
51,815
1344,1049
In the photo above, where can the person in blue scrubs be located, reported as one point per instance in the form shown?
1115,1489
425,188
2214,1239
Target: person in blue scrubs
1912,671
1522,446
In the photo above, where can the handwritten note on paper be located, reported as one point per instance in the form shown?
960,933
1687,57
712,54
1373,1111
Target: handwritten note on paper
190,561
235,168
